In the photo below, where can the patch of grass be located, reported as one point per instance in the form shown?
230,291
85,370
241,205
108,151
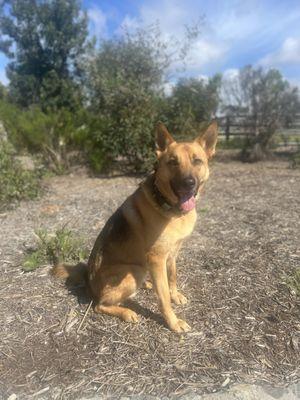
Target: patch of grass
293,282
235,142
63,245
204,210
15,183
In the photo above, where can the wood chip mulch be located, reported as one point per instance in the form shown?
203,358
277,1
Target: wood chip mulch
245,319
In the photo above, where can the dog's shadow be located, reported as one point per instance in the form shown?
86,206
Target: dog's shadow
144,312
83,298
79,291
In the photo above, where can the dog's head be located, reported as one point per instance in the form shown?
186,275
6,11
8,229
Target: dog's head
182,168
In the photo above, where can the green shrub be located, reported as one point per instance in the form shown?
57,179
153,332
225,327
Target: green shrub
192,103
15,183
234,142
51,134
63,245
124,79
125,133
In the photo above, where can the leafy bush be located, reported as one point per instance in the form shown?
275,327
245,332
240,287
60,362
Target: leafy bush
15,183
50,134
125,133
124,85
125,82
192,103
63,245
235,142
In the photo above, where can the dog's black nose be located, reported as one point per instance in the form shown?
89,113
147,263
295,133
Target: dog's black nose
189,182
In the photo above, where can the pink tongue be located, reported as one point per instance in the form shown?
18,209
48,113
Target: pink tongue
188,204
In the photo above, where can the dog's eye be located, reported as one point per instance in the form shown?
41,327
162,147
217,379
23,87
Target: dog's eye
197,161
173,161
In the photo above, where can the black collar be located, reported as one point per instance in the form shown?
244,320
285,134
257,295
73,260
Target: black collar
161,200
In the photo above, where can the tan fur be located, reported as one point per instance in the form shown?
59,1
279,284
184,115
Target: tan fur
75,274
141,237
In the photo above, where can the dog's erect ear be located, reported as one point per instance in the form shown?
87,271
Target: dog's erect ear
208,139
163,137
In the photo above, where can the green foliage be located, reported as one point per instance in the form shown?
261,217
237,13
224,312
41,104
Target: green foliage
193,101
51,134
3,91
125,88
15,183
123,97
293,281
125,80
46,41
232,143
63,245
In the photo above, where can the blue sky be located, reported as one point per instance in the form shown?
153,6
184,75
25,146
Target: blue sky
235,32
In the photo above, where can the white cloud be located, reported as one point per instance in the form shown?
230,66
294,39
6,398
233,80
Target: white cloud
234,32
130,22
203,77
230,88
167,12
230,73
172,18
289,53
204,52
231,28
168,88
98,21
3,77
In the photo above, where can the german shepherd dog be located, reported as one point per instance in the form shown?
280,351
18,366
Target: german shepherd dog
145,234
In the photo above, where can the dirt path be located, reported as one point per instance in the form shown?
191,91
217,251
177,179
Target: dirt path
245,320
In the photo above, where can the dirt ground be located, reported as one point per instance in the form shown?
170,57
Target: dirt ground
245,320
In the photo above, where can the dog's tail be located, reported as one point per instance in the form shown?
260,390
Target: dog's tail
73,274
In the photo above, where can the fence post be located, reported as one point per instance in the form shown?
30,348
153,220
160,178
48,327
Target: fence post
227,128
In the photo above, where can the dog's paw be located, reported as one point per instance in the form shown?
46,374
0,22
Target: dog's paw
178,298
130,316
180,326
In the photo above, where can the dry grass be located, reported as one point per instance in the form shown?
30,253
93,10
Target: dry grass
245,319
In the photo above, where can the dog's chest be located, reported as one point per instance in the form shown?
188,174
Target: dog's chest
177,230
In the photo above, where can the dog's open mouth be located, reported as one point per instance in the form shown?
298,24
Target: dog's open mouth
187,201
186,197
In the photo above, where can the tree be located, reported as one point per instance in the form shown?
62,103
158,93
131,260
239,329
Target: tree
45,40
268,102
125,86
3,91
193,101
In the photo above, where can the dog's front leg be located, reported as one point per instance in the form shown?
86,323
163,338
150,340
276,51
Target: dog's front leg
158,271
176,296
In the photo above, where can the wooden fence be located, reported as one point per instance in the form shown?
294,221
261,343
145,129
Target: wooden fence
242,125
